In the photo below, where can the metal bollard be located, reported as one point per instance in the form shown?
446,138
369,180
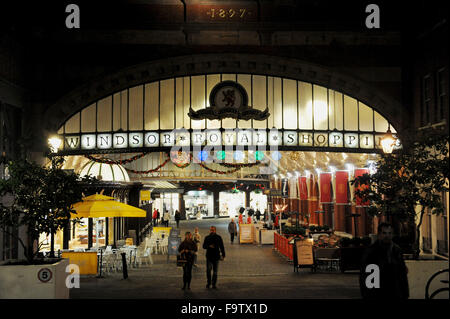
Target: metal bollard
101,263
124,266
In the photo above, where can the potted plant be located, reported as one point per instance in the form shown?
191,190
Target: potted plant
41,202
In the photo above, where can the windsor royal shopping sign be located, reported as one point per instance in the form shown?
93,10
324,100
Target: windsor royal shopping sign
259,138
228,99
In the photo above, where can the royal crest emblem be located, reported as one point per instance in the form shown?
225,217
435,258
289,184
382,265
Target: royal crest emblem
228,99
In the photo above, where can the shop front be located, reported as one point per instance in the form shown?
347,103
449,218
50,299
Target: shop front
231,202
237,130
199,204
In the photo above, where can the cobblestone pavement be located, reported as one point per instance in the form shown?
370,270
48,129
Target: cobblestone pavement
249,271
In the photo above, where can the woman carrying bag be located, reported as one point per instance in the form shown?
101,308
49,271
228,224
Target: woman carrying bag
187,251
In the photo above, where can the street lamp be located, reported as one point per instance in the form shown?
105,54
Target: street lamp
388,141
54,143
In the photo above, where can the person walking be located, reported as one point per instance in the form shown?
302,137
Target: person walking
392,275
155,217
166,218
177,218
158,216
197,240
258,215
214,247
232,229
241,219
187,249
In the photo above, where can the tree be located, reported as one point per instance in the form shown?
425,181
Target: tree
42,199
410,182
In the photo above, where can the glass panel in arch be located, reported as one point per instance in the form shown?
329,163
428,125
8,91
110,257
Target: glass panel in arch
320,107
136,108
305,105
104,113
151,107
277,106
117,114
179,103
186,102
365,117
259,98
270,89
61,130
88,118
336,113
211,81
73,124
290,104
198,100
381,124
246,81
350,114
167,104
124,110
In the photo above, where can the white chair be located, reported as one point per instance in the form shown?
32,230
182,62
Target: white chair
164,245
144,255
153,243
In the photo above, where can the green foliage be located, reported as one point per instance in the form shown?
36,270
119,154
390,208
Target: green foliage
294,230
409,182
354,242
43,198
413,177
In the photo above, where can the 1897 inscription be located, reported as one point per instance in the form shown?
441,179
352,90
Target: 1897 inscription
228,13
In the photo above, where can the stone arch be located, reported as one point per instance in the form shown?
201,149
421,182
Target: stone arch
135,75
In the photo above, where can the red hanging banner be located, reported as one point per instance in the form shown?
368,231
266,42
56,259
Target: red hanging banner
303,188
361,172
341,187
325,188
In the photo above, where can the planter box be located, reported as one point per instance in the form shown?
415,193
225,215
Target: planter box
22,281
419,271
351,258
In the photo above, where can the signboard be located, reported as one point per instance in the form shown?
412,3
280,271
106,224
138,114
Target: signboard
174,232
129,242
45,275
304,252
275,192
78,143
284,188
145,195
246,233
87,261
174,243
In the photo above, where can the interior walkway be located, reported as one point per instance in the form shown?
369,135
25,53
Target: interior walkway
249,271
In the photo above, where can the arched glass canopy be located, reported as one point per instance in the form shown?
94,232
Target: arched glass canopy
315,116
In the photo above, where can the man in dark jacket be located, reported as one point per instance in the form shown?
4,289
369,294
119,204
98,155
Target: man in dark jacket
391,282
214,247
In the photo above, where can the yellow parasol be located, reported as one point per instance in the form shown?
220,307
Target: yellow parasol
98,205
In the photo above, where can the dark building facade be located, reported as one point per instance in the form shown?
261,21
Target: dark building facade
49,72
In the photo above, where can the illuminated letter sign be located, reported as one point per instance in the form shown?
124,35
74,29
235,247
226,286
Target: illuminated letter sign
290,138
151,140
305,139
120,140
88,141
